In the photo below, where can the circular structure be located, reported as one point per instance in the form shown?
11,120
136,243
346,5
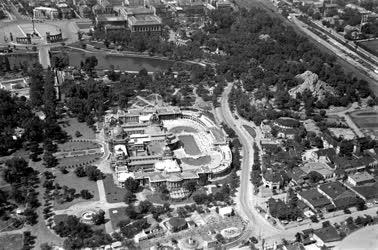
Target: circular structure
230,233
87,217
202,143
363,239
177,224
189,243
23,33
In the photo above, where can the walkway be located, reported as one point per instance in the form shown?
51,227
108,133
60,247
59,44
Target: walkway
44,57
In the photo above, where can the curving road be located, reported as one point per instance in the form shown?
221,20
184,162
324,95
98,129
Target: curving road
246,202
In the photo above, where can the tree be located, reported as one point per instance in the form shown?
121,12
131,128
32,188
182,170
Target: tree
17,171
129,197
49,160
45,246
36,84
99,217
89,64
191,186
80,172
220,238
31,216
85,194
315,177
49,96
145,206
60,61
131,185
93,173
346,148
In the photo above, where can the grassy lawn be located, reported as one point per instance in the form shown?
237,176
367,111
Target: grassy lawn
114,193
116,215
76,161
366,120
77,145
12,241
155,198
71,125
190,145
72,181
250,130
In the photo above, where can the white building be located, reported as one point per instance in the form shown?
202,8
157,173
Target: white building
45,13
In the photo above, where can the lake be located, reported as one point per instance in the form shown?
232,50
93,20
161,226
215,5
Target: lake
121,62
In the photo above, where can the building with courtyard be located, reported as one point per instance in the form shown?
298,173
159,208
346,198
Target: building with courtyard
166,146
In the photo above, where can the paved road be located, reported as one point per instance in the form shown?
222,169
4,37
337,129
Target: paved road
245,199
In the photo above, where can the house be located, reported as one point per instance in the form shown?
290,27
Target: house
326,236
226,211
349,165
367,192
339,195
330,142
153,231
326,155
310,126
322,168
314,199
224,5
272,180
360,178
294,246
297,176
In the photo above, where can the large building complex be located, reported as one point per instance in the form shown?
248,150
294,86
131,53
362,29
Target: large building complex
166,146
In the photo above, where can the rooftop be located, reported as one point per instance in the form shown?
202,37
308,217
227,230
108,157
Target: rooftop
315,198
144,20
368,191
319,167
177,222
333,189
361,177
327,234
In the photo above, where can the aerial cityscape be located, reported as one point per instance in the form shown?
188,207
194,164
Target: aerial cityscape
189,124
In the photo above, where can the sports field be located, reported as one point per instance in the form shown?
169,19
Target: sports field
366,120
180,129
190,145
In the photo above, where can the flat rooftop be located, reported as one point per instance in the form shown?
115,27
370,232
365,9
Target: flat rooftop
145,20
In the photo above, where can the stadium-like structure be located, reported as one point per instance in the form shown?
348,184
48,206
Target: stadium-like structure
166,146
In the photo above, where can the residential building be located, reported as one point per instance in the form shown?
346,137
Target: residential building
367,192
321,168
297,176
326,236
272,180
360,178
315,200
339,195
226,211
